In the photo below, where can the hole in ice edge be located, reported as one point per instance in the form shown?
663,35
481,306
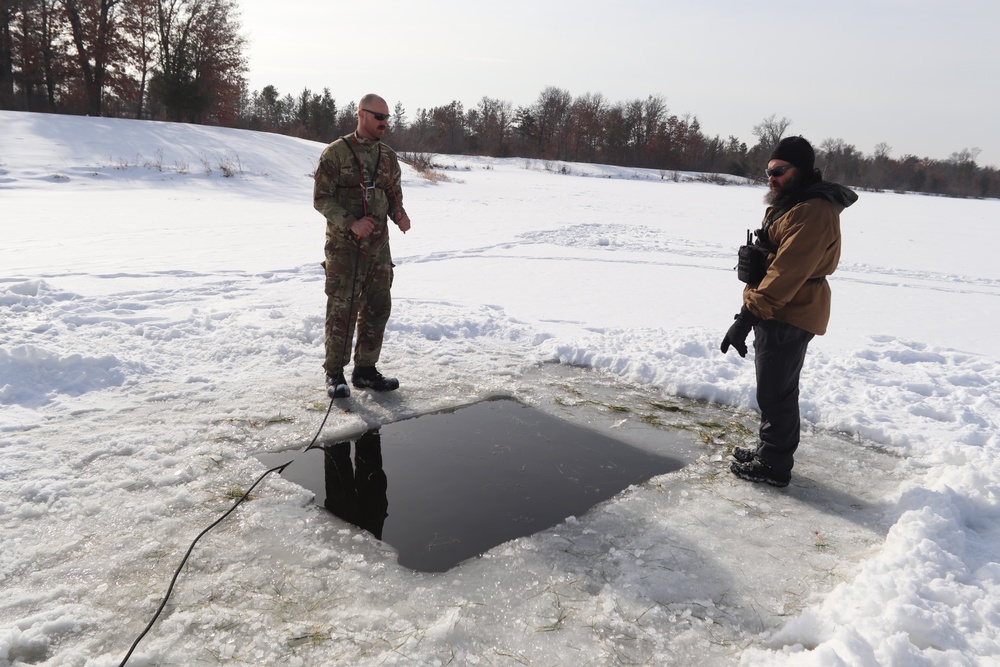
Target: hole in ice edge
448,486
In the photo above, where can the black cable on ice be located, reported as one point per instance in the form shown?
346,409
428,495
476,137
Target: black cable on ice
180,567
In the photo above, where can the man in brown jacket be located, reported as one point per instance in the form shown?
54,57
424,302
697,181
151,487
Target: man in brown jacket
790,303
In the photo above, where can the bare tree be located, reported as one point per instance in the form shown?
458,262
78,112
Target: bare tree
94,35
139,47
201,61
221,60
52,49
770,131
7,8
587,115
842,160
879,172
965,156
39,70
550,116
965,168
654,114
634,128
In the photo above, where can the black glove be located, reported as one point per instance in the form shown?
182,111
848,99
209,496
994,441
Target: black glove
738,332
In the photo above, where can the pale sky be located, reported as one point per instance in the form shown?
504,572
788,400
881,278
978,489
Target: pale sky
918,75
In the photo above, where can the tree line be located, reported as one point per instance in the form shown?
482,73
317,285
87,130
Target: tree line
180,60
183,60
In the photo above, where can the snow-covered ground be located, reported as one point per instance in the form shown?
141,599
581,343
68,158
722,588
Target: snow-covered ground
161,322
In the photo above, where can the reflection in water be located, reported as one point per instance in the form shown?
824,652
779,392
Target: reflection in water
467,480
357,493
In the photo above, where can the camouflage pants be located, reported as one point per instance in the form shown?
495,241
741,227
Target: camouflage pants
357,292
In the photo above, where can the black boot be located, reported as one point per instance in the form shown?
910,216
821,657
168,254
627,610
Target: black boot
367,377
756,471
336,386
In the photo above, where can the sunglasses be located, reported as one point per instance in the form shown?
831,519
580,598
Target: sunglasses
378,116
778,171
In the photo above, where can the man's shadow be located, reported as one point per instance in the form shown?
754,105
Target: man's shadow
357,494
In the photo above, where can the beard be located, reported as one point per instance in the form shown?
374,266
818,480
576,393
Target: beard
787,192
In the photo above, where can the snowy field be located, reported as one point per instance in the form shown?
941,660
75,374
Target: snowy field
161,321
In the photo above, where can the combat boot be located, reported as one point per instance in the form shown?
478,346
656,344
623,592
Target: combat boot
367,377
758,471
336,385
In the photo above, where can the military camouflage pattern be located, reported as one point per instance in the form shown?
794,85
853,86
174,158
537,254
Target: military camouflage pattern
338,191
358,271
357,290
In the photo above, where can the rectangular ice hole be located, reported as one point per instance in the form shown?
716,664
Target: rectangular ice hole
445,487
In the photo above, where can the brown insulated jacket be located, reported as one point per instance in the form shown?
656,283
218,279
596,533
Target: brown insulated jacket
805,242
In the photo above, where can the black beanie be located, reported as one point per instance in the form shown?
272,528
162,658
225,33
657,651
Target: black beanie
797,152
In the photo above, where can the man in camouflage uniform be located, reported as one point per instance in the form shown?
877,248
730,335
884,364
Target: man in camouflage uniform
357,188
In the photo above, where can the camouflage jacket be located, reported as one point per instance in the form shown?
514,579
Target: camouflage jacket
339,191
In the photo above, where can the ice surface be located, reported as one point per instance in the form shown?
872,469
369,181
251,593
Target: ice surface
161,323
